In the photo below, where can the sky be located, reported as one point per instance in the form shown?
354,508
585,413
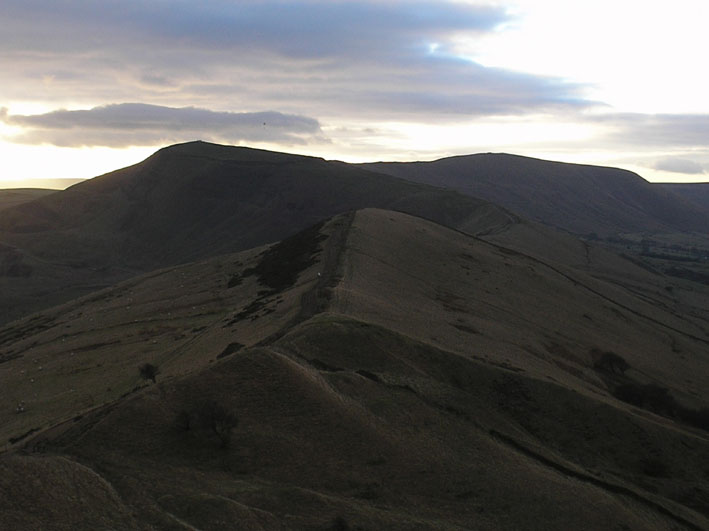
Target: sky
92,86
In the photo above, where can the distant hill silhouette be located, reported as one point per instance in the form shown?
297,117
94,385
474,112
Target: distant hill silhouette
195,200
192,201
579,198
16,196
198,199
39,184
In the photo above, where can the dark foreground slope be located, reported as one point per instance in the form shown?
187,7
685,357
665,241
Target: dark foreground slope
579,198
398,375
189,202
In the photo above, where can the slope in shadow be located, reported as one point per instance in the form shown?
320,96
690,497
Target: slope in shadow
192,201
383,410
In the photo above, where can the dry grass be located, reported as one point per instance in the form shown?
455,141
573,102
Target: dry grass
449,383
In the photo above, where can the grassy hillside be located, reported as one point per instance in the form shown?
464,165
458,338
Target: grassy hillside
190,202
196,200
377,371
578,198
697,193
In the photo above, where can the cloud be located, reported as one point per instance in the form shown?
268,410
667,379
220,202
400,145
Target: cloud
304,29
678,165
384,60
131,124
652,130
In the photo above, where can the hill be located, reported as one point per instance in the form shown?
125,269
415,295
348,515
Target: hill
39,184
16,196
397,374
696,193
188,202
191,201
581,199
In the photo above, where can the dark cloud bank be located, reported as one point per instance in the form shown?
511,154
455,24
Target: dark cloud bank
140,124
370,59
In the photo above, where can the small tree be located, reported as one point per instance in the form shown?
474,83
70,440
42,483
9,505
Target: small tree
149,371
